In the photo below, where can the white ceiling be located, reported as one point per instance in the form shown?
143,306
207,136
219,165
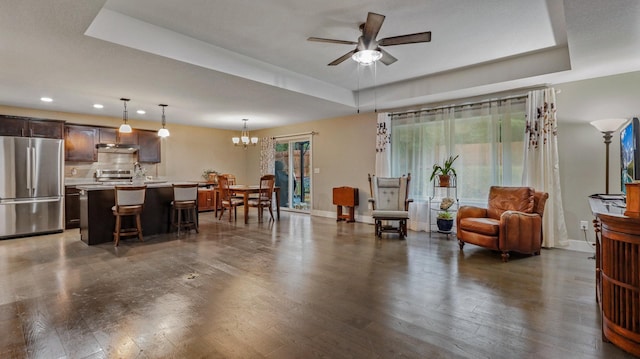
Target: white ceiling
215,62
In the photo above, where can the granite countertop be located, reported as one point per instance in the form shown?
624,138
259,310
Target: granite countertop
98,187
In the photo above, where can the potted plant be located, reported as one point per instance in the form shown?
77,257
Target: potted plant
444,172
445,221
210,176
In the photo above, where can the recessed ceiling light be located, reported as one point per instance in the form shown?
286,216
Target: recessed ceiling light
97,105
141,112
46,99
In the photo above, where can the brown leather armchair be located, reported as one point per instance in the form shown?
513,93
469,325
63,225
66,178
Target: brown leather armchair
512,221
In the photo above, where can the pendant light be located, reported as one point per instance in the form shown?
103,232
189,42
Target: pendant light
244,138
125,127
163,132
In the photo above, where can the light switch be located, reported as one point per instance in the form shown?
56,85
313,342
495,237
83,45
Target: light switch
316,170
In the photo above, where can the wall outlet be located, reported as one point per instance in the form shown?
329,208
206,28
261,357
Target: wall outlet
584,225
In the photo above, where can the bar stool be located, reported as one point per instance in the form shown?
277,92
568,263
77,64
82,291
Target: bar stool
129,202
185,207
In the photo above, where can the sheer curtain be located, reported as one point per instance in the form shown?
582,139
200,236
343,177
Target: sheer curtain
541,163
487,136
267,156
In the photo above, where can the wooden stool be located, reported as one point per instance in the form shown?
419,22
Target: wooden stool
129,202
185,207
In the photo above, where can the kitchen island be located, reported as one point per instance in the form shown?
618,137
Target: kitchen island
97,221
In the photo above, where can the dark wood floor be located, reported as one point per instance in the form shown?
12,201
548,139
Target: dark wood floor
300,288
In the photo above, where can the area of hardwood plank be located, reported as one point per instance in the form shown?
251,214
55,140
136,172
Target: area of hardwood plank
302,287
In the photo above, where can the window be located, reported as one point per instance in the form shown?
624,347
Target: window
489,137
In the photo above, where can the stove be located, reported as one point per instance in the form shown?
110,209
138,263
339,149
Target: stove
113,177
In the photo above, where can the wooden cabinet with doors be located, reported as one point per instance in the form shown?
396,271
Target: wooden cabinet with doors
71,207
30,127
149,143
80,143
112,135
206,199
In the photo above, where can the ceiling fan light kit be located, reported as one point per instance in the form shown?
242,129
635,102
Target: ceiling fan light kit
368,49
367,57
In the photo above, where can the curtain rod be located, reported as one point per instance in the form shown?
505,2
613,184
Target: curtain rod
296,135
470,103
454,106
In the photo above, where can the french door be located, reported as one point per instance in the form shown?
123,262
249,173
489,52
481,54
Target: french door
293,173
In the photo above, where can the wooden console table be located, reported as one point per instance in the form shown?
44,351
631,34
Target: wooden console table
617,272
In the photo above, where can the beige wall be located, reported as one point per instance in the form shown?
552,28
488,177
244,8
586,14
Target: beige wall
581,146
343,151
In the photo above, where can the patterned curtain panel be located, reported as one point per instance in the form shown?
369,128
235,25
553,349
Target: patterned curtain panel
267,156
383,146
541,168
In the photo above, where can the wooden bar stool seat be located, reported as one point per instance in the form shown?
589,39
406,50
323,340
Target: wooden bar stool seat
129,202
185,207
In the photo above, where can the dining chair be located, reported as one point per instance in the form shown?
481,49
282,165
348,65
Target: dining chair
265,196
129,202
227,200
185,207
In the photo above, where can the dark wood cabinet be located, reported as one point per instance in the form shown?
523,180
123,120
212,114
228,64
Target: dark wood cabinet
112,135
107,135
71,207
149,143
206,199
80,143
30,127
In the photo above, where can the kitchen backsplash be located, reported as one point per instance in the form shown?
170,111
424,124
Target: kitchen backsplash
106,161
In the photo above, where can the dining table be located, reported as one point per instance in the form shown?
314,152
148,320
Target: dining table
245,191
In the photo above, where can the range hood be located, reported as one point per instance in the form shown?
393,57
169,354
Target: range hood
117,148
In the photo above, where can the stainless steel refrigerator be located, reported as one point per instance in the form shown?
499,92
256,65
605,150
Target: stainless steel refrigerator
31,186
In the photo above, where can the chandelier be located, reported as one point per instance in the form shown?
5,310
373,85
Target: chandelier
244,138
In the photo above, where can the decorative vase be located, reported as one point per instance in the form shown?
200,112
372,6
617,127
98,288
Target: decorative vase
213,178
445,224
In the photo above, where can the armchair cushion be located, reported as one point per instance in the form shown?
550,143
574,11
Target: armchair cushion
503,199
486,226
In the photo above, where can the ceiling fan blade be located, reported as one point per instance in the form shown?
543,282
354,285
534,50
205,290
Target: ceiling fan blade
340,59
387,58
406,39
332,41
371,28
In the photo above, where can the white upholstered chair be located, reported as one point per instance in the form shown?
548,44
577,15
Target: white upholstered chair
390,203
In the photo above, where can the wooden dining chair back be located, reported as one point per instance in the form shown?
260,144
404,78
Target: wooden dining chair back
231,178
227,200
129,202
265,196
184,214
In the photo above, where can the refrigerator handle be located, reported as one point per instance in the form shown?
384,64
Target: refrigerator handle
29,169
33,170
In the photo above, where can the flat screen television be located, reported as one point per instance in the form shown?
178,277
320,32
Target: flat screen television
629,152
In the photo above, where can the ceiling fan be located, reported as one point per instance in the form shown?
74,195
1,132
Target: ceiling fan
368,48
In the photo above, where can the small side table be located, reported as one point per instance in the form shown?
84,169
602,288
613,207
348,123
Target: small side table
347,197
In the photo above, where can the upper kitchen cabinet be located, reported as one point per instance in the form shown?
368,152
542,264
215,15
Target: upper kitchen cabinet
80,143
112,135
30,127
149,142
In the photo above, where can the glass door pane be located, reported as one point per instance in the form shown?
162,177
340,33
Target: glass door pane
293,173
